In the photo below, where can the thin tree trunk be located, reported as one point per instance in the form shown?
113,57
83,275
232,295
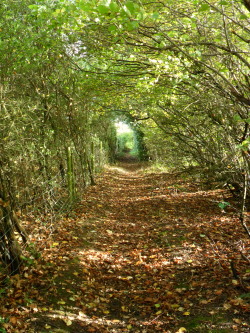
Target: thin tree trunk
70,175
243,206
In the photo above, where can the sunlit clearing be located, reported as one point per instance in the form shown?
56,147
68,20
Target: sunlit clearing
122,127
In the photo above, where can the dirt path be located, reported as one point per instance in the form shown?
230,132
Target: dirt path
142,253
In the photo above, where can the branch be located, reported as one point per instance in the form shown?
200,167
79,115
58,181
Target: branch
240,37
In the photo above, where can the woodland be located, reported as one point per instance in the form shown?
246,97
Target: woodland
139,230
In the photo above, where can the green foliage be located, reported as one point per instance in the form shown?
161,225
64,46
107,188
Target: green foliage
223,204
246,295
125,142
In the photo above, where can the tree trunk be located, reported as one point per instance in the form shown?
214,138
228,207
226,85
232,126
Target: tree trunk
70,175
10,249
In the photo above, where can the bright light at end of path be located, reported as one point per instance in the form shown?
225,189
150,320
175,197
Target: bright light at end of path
122,127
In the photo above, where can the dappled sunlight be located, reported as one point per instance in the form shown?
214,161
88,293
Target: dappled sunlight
94,255
140,253
81,322
119,170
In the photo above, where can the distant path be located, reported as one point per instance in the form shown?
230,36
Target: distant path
142,253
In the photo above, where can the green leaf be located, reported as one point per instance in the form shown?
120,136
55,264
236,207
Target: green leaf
157,305
114,8
204,7
2,291
130,6
245,142
103,9
132,25
238,118
243,17
223,204
247,295
33,6
85,6
223,2
112,28
155,16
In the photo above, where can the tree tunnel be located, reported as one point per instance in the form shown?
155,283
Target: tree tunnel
130,143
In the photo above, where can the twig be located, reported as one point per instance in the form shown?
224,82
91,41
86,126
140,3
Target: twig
243,207
151,321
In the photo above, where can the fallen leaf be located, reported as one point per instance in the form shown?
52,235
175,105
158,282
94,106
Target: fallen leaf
227,306
187,313
68,322
157,305
13,320
181,330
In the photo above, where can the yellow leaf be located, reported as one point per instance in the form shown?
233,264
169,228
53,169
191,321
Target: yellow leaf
237,321
68,322
187,313
175,306
45,309
47,327
61,302
55,244
181,330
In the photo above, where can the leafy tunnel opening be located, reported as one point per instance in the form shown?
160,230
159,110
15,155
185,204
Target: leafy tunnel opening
130,142
126,146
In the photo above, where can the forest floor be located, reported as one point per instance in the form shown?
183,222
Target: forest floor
142,252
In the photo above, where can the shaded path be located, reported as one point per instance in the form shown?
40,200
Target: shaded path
141,253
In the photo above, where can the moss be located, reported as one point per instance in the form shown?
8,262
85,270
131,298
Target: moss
205,323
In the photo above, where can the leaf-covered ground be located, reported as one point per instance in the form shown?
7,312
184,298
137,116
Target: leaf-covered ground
142,252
